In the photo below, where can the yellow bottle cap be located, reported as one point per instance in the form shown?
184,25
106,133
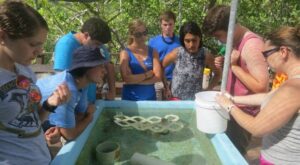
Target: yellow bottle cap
206,71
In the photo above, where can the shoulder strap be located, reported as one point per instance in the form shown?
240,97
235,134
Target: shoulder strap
242,44
128,53
127,50
245,39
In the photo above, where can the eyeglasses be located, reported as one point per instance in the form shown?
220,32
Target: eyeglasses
140,34
269,52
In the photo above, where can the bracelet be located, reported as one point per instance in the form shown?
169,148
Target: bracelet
229,108
48,107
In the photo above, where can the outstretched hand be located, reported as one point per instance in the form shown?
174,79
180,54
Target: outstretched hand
61,95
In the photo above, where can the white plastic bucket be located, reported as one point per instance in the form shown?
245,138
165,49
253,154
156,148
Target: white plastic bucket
210,117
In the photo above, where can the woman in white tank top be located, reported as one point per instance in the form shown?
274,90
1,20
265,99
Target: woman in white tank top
278,121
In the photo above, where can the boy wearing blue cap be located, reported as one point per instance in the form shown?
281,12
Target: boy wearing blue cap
88,66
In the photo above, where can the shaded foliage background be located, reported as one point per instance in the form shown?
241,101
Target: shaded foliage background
258,15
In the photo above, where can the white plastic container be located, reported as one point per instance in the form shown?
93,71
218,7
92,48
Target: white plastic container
210,117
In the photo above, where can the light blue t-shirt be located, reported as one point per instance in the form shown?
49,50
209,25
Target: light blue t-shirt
165,45
19,112
63,51
64,115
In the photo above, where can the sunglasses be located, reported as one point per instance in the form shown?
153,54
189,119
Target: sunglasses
34,93
269,52
140,34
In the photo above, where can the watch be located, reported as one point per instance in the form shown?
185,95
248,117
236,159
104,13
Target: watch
48,107
229,108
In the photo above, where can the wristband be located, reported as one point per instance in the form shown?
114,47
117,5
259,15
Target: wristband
48,107
229,108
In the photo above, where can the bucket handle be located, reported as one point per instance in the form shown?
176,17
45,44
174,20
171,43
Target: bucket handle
225,117
217,109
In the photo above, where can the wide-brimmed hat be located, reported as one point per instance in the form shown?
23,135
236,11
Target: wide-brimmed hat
87,56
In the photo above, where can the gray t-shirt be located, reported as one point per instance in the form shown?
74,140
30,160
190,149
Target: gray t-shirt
19,112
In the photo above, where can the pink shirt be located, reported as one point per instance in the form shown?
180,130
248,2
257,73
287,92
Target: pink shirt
234,86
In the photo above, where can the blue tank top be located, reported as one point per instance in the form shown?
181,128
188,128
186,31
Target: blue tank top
136,92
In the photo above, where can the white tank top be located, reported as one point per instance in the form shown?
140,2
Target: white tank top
283,146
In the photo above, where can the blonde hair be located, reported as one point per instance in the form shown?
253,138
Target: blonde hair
132,28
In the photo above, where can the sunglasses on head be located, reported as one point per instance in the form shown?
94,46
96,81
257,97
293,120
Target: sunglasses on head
140,34
269,52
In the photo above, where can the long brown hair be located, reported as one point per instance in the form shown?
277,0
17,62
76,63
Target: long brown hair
20,20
